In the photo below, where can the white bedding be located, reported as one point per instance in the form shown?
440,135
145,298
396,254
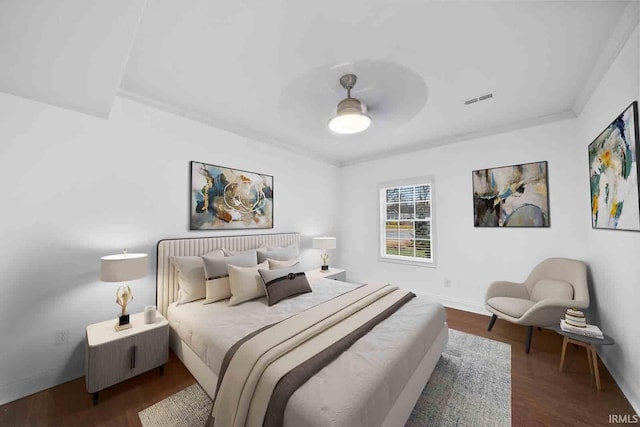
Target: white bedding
358,388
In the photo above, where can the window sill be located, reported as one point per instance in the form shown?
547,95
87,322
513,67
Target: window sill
431,264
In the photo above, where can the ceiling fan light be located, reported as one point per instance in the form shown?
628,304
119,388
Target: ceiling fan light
349,118
348,124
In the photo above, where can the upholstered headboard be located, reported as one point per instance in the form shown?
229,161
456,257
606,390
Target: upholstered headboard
167,277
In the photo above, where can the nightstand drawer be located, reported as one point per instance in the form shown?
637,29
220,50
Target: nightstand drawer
124,356
342,276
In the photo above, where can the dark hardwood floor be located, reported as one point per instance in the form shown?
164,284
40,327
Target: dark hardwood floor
540,394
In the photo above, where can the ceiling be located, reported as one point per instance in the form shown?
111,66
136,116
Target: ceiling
270,70
68,53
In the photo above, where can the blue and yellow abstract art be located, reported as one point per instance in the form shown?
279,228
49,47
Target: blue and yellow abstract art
613,169
511,196
225,198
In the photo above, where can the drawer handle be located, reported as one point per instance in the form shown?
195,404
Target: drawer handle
132,361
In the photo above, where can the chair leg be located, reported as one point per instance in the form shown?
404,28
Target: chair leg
529,334
492,322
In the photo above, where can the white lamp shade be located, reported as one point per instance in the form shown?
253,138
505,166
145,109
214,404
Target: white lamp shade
324,242
123,267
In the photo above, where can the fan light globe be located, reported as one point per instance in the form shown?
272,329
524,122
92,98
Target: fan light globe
349,123
350,117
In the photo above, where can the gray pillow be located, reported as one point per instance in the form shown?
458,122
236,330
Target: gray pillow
284,282
282,254
217,267
191,276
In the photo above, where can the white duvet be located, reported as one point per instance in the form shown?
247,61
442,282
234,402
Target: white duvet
357,389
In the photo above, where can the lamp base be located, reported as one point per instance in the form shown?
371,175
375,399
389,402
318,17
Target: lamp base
324,268
123,322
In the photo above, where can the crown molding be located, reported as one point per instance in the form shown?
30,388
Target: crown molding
622,31
425,145
362,159
257,136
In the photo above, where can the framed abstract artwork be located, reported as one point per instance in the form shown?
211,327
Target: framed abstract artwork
613,170
224,198
511,196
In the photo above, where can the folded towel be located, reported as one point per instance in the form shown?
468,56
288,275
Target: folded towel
591,331
574,312
574,323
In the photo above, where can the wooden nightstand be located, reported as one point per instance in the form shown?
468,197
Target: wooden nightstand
112,357
333,273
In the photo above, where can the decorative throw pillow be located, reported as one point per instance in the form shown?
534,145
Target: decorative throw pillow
217,267
191,277
274,264
217,289
277,248
229,252
245,283
283,283
281,254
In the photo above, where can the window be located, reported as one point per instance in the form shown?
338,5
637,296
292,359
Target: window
406,222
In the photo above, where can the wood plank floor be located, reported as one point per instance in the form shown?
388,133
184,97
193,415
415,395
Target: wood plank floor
540,394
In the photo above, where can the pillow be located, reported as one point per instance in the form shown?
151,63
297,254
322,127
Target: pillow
191,277
229,252
283,283
217,267
245,283
274,264
549,288
276,248
217,289
281,254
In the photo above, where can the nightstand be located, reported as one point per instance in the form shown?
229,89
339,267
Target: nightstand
112,356
332,273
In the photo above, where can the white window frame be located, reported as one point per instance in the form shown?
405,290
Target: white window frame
382,218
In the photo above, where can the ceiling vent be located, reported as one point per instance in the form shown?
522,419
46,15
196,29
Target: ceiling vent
479,98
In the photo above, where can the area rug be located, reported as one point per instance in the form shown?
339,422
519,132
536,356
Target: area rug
470,386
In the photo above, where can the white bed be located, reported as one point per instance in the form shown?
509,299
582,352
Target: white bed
375,382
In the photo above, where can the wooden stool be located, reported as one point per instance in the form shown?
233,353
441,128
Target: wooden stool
589,344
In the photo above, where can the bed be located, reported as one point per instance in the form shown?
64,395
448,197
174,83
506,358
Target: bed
377,381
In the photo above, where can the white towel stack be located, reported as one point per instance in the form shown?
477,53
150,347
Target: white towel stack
591,331
574,317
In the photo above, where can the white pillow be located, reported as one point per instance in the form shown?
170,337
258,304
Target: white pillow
229,252
281,254
217,289
246,283
191,278
275,264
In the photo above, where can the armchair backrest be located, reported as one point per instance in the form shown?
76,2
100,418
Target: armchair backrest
565,269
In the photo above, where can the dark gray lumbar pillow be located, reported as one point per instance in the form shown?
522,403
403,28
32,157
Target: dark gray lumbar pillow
284,282
217,267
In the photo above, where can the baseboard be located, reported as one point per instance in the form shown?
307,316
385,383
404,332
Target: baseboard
632,395
35,383
459,305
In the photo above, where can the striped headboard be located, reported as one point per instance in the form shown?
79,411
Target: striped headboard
167,277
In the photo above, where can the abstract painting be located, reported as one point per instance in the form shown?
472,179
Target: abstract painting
613,169
225,198
511,196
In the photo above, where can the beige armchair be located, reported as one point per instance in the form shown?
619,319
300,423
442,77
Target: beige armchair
553,286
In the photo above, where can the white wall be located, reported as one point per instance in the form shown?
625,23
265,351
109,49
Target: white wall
469,257
614,255
75,188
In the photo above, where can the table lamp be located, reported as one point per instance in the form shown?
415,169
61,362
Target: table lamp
122,268
324,243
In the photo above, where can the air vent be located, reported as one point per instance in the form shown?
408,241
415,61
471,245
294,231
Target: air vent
479,98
